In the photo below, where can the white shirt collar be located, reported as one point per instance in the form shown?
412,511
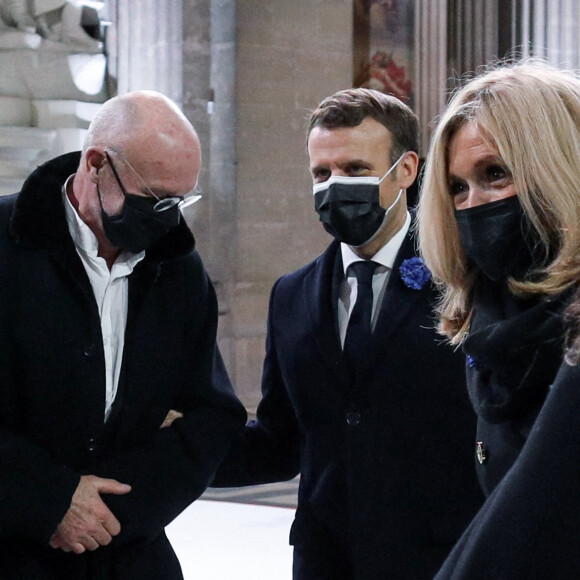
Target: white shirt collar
385,256
84,238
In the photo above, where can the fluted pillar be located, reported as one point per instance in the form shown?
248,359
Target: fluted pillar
452,37
145,42
431,63
549,29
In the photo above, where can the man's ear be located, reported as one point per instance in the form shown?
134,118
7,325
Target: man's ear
94,160
407,170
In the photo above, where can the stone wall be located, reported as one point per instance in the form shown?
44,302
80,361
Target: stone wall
288,57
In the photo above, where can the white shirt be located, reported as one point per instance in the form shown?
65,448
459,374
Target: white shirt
385,258
111,289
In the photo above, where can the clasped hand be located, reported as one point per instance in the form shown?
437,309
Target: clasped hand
89,523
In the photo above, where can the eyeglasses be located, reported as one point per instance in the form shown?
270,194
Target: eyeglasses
162,204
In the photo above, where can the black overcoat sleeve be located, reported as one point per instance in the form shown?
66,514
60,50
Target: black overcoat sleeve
35,489
268,448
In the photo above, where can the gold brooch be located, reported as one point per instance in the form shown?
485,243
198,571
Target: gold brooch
481,453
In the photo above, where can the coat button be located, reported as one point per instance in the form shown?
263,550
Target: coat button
90,350
353,418
91,444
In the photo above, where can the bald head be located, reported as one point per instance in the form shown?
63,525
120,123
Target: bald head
154,135
136,115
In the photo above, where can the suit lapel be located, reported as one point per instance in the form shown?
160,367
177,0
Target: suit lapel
398,303
321,288
323,283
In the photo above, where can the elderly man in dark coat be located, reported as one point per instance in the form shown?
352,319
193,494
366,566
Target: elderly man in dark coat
115,407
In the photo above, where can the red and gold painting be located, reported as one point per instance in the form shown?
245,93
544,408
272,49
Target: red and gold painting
383,46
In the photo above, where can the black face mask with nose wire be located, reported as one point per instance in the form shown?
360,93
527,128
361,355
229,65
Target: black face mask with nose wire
350,213
498,238
350,207
138,226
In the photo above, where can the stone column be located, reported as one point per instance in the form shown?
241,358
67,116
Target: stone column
452,37
549,29
431,70
222,236
146,42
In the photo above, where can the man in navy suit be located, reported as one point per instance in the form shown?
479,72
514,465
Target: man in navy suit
379,425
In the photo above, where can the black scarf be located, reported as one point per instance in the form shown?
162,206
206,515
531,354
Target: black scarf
514,350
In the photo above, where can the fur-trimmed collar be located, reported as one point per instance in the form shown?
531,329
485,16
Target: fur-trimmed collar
39,216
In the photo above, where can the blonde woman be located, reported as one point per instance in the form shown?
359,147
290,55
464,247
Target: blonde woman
498,227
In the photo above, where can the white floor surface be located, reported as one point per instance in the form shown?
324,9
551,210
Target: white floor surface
228,541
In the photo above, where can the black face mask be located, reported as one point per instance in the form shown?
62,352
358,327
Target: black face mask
350,209
138,226
497,237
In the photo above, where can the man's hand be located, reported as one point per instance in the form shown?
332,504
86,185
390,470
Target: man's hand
171,416
89,523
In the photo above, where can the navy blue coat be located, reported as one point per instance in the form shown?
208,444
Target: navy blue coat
529,527
52,392
387,477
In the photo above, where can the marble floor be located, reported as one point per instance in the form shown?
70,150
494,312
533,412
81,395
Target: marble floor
216,540
237,533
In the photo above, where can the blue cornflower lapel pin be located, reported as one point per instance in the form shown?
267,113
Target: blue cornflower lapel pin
414,273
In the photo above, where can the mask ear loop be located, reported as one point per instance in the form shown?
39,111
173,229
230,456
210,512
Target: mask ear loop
390,207
384,220
400,190
392,167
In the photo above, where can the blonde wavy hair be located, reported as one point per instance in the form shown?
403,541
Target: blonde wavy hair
529,113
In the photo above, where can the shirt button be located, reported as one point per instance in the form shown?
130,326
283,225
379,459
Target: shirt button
353,418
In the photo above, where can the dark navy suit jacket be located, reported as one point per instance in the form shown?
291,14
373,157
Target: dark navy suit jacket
386,461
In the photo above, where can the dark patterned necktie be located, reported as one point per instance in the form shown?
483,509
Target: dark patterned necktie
358,331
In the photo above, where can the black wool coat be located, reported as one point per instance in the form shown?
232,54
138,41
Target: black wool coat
386,461
52,392
514,350
529,527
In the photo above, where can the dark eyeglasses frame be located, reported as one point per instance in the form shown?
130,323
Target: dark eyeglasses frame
162,204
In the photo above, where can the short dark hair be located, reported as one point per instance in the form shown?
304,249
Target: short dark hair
350,107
